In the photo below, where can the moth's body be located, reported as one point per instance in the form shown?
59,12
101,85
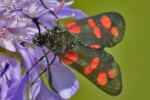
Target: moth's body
59,40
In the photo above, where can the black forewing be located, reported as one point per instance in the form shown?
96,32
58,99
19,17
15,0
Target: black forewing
87,36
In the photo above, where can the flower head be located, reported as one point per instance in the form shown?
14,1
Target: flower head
16,33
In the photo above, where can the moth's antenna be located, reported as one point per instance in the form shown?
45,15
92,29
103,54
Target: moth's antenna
48,64
35,20
38,22
37,63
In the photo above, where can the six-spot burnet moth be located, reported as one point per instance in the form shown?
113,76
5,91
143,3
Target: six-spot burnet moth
80,44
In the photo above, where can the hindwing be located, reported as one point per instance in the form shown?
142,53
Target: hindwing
97,66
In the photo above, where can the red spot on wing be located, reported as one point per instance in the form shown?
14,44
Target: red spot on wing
91,22
106,22
71,55
70,24
97,32
74,29
114,31
95,28
94,62
102,79
66,60
95,46
112,73
87,70
93,65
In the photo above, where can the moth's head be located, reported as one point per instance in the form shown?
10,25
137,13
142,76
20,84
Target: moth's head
38,40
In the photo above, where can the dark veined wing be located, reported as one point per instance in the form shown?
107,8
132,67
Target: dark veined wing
97,66
103,30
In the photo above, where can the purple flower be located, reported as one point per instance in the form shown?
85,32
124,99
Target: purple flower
16,33
9,78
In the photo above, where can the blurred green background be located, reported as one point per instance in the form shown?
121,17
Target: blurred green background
132,53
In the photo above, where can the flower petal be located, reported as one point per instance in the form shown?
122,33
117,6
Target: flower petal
46,94
7,45
15,68
69,12
11,77
63,80
4,88
19,88
29,59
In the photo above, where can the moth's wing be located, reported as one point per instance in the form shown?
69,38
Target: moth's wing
97,66
103,30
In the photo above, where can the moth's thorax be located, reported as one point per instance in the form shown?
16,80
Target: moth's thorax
58,40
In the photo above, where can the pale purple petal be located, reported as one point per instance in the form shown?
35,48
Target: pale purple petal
78,14
11,76
67,4
63,80
24,34
55,3
29,59
7,45
14,72
6,2
13,89
65,12
60,6
46,94
19,88
4,88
